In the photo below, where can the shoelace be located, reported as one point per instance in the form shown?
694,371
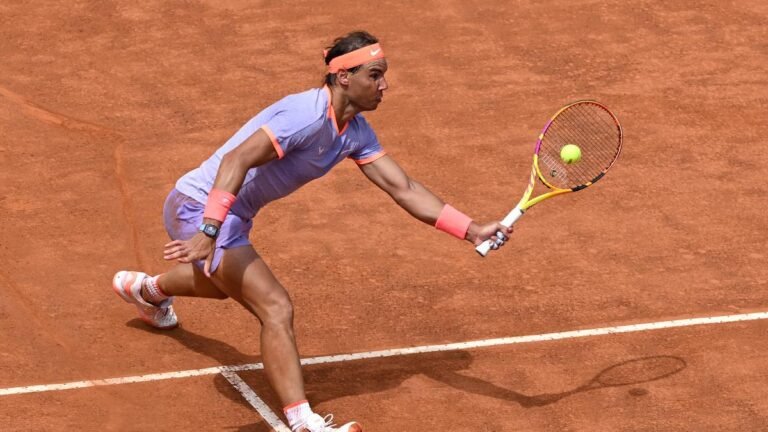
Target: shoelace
326,426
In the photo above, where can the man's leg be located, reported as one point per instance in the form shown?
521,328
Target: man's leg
186,280
153,296
244,276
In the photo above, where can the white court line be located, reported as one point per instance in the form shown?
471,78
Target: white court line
264,411
397,352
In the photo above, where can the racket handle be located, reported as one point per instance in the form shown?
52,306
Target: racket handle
508,221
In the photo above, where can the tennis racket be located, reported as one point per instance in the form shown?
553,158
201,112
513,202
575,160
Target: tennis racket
598,137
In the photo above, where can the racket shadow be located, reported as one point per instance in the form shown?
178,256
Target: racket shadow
631,372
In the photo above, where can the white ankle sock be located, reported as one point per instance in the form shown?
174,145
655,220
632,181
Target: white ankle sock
152,292
297,413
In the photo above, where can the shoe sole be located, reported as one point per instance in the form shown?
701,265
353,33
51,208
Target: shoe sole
118,286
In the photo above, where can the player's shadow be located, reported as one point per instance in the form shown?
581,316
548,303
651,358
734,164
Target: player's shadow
222,353
333,381
324,383
328,382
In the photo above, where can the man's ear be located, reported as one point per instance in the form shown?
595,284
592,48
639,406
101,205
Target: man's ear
342,76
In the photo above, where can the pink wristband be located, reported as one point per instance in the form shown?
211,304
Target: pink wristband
218,204
453,222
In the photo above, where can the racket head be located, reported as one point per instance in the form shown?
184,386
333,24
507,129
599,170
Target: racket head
594,129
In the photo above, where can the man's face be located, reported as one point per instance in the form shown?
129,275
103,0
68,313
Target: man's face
367,85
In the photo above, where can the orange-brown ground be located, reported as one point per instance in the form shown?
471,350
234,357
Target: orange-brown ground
104,104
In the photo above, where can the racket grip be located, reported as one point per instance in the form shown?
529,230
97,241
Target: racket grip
508,221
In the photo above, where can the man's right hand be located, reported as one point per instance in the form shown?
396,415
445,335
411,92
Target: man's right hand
186,251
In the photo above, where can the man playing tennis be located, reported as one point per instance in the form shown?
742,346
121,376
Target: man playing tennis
209,214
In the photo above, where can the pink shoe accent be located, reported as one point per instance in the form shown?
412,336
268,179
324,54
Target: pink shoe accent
127,285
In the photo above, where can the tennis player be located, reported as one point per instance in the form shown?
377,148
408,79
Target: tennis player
209,213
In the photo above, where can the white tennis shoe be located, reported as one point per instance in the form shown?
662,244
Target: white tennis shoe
127,284
315,423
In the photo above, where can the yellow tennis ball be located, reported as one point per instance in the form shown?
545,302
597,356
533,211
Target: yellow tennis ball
570,153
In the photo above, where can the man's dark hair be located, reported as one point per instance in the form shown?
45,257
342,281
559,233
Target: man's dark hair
345,44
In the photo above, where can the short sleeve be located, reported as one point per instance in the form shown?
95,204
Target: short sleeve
286,132
369,148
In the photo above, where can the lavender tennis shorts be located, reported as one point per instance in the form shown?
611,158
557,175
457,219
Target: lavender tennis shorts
183,216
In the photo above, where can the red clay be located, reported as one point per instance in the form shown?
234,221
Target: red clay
103,105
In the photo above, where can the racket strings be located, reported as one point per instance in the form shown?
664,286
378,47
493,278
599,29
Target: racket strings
597,135
575,129
598,148
596,138
594,130
585,169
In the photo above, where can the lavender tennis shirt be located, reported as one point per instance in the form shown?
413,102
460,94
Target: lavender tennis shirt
305,134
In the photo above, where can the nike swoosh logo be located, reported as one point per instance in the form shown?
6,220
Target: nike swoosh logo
374,52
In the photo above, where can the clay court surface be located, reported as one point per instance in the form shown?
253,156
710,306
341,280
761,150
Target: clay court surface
104,104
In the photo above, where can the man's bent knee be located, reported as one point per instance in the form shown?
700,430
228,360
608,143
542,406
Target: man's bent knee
276,312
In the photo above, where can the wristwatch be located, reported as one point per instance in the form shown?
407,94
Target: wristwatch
211,231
